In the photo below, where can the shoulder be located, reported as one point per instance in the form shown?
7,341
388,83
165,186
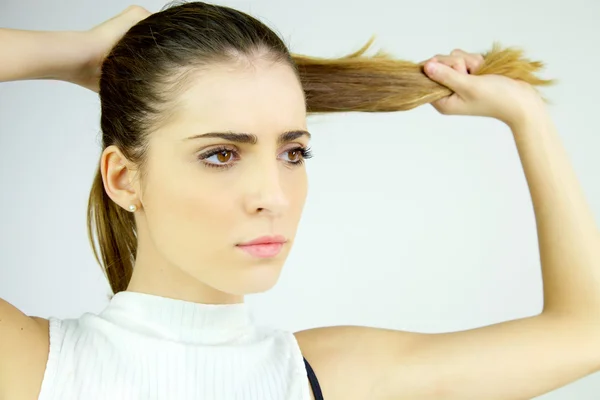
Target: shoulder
24,345
353,362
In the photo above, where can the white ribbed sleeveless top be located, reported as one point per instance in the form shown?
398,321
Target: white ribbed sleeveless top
147,347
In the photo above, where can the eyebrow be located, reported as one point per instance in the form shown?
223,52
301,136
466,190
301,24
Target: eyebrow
248,138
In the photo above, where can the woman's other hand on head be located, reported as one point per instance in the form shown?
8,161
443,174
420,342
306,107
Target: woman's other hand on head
492,96
100,40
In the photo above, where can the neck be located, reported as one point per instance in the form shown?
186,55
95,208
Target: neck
152,274
180,321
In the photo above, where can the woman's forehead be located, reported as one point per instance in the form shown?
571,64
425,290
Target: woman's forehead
265,87
260,99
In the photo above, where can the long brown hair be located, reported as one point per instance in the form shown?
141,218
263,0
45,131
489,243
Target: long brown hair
151,64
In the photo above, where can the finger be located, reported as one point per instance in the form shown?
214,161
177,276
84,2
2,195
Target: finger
473,61
445,75
456,62
441,105
125,19
450,105
135,14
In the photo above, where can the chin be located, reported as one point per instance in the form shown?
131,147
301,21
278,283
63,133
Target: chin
254,279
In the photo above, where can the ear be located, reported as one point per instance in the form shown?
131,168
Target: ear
119,176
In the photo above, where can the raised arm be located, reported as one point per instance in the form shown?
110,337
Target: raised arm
518,359
40,55
73,57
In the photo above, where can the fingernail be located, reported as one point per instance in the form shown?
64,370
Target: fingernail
431,67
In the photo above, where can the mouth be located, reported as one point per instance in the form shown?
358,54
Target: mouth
263,247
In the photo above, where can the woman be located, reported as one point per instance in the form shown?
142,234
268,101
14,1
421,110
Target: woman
198,195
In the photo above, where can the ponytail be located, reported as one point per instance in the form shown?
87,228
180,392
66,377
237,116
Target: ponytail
115,233
381,83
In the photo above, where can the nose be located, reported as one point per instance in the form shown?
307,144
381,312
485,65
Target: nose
266,190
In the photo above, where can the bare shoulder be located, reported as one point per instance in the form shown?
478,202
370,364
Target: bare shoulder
511,360
353,362
24,344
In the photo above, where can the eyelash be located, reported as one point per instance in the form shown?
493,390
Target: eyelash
305,153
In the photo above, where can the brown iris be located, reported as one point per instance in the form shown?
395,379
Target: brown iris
224,156
293,153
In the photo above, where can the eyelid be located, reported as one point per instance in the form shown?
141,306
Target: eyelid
211,150
293,146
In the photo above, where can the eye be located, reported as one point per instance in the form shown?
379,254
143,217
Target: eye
297,155
226,157
294,155
222,157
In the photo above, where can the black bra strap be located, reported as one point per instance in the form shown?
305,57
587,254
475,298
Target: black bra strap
314,382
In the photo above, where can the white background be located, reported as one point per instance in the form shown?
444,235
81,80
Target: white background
414,220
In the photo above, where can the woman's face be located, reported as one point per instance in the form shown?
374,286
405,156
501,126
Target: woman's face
207,193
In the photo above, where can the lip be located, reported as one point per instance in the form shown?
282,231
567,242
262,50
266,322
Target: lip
263,247
265,240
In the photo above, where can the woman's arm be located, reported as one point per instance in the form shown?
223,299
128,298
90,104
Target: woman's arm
24,340
73,57
569,241
70,56
41,55
518,359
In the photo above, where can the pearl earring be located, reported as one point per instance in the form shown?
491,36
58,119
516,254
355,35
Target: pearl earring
132,208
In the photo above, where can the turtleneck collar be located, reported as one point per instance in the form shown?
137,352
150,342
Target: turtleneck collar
179,320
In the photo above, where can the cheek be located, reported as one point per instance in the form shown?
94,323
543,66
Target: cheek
296,190
187,208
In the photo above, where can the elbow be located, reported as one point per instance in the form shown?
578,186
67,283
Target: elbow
581,330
